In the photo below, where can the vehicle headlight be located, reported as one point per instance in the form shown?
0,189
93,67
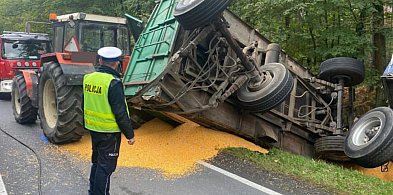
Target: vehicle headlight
19,64
27,64
34,64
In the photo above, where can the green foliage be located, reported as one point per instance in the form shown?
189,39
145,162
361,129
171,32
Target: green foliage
140,9
332,177
14,14
315,30
309,30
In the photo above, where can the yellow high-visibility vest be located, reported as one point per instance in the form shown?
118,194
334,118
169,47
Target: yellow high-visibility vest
98,114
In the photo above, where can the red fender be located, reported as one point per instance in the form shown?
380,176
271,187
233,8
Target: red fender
27,74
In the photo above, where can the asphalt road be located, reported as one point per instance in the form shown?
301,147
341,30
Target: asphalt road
45,169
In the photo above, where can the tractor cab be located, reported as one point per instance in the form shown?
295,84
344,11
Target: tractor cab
84,34
54,91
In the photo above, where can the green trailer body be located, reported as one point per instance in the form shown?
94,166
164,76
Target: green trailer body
153,48
153,81
221,73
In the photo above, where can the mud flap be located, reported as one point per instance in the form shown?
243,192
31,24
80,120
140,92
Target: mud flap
31,79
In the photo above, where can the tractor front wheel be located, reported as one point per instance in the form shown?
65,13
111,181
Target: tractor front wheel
22,107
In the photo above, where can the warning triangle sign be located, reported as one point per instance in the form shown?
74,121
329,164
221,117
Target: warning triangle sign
72,45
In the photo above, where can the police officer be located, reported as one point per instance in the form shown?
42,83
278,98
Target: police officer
106,116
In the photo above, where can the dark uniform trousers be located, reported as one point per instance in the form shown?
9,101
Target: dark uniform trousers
104,158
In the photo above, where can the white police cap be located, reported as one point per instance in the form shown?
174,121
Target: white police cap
110,54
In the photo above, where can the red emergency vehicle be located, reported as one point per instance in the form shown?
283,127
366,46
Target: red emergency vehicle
19,51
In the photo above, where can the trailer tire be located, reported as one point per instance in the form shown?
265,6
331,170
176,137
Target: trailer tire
22,108
272,94
139,117
60,106
331,148
198,13
135,121
370,149
351,70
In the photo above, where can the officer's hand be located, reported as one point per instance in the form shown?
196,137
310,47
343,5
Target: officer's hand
131,141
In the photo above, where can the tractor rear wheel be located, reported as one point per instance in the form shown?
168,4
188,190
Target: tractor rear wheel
60,106
192,14
22,107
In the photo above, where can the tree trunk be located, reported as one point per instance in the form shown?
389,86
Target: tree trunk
379,43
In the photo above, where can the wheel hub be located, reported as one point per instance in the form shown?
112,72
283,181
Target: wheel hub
345,78
50,104
267,77
367,131
370,133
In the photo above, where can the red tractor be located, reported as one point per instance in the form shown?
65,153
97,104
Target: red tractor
19,51
54,92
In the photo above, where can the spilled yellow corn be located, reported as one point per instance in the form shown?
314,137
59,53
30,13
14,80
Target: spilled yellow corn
374,172
173,151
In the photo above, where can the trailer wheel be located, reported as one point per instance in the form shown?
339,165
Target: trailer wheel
349,69
22,108
139,117
192,14
59,106
370,140
272,91
331,148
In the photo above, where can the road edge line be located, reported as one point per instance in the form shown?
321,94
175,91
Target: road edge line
3,191
240,179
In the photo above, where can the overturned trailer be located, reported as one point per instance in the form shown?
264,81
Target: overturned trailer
219,72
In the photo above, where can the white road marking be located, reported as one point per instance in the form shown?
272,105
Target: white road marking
240,179
2,187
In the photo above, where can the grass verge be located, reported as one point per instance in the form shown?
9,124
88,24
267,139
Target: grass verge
332,177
